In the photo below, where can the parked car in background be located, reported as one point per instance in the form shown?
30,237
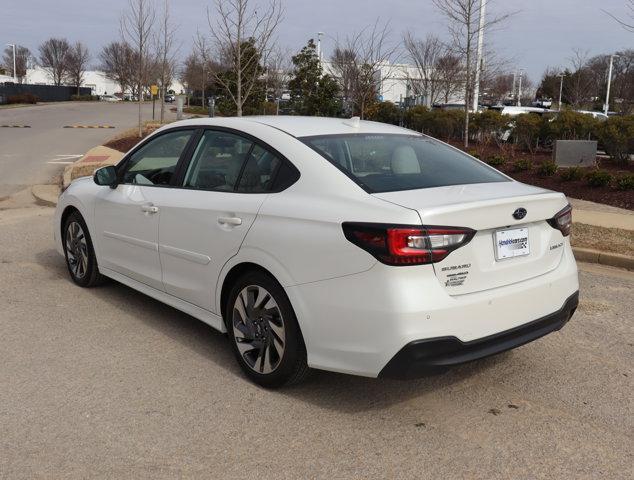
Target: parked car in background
597,115
343,245
169,98
109,98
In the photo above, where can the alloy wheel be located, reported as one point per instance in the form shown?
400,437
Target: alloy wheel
258,329
76,249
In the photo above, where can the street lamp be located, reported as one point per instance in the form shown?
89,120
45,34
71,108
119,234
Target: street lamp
561,89
519,89
15,74
319,35
607,94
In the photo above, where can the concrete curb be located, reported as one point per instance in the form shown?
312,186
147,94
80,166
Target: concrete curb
46,195
603,258
94,158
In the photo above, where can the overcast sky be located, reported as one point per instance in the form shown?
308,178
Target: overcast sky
542,34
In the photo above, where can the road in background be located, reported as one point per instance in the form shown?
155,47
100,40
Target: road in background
26,153
108,383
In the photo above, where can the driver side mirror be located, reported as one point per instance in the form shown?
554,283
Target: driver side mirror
106,176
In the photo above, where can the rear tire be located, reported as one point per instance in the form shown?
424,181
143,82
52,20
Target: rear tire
79,252
264,333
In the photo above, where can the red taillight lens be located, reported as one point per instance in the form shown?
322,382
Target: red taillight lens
402,245
562,221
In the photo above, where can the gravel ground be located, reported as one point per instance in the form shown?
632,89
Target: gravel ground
107,383
613,240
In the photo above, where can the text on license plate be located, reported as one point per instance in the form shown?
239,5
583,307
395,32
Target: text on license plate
511,243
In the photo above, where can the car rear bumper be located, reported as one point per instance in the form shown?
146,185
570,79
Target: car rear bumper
432,355
358,323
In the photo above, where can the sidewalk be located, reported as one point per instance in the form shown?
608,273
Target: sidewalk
601,215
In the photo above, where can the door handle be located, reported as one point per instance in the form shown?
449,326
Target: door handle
149,208
235,221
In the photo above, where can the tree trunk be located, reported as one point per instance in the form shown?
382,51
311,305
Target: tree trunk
140,96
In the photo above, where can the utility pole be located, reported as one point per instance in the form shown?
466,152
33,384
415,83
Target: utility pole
519,89
561,89
514,85
607,94
476,88
15,73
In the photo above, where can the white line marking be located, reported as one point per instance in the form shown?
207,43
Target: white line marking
60,162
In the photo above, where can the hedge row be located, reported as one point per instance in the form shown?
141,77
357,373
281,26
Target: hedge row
616,135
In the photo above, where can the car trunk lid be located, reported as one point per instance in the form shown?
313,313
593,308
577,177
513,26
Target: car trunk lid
488,208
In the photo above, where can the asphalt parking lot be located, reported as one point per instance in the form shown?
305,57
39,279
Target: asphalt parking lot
107,383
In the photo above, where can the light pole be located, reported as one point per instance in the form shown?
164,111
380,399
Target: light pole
15,74
476,87
519,89
561,89
607,93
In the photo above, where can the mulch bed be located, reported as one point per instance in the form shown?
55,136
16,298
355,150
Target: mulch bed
574,188
123,144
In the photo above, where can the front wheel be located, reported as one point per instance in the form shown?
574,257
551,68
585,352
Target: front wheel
264,332
79,252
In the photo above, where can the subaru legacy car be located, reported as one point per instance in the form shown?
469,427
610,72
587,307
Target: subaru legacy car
333,244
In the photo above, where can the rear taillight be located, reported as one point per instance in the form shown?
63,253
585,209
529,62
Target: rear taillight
404,245
562,221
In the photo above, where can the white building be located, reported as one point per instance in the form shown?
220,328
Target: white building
394,83
93,79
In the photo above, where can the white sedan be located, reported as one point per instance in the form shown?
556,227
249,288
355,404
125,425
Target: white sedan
341,245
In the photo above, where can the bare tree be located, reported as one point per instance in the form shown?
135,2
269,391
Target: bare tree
243,37
77,63
450,72
424,55
627,22
579,85
118,63
464,27
22,59
278,71
202,54
362,62
54,58
165,53
136,28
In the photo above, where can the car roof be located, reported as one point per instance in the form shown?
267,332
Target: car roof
308,126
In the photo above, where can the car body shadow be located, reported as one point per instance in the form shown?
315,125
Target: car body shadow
333,391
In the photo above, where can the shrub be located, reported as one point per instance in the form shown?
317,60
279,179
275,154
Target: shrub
571,174
617,137
22,98
522,165
487,125
496,160
599,178
473,153
385,112
547,168
569,125
526,130
625,182
84,98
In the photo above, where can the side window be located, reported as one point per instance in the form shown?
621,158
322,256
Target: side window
259,171
155,162
217,161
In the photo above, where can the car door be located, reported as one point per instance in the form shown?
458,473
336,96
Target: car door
127,217
204,223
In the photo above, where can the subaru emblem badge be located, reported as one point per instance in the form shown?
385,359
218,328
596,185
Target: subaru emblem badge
519,213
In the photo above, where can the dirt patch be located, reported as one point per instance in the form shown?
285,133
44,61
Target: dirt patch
614,240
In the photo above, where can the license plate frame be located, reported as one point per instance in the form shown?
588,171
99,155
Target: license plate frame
511,243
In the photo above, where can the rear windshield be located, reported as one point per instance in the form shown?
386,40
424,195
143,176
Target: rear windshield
388,163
